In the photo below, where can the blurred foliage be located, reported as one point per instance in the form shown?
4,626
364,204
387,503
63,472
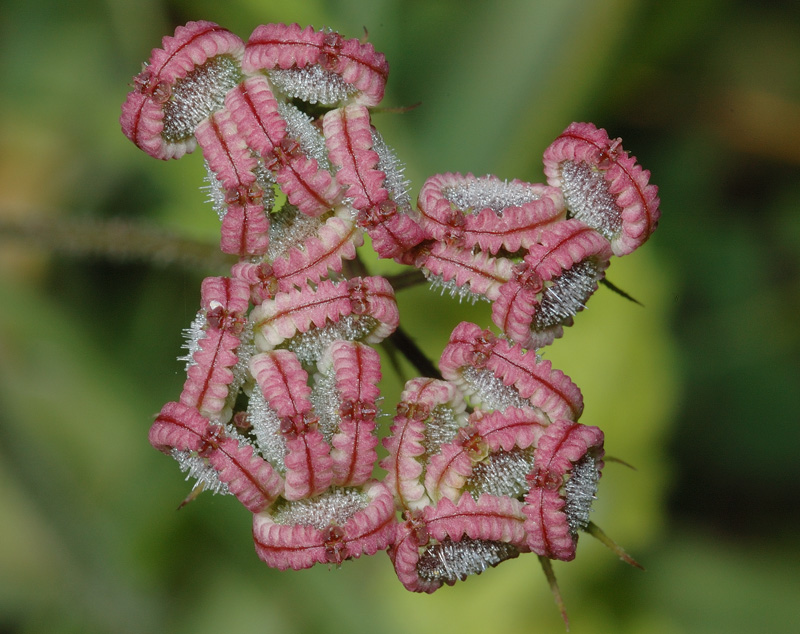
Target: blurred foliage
698,389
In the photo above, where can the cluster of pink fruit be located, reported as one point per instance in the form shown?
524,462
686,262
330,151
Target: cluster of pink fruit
280,405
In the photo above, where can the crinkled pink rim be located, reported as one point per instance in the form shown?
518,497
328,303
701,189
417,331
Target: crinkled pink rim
357,369
284,385
193,44
298,546
286,314
514,427
280,46
405,442
627,182
248,476
491,518
348,136
335,241
562,445
515,228
548,389
207,381
561,247
254,109
482,273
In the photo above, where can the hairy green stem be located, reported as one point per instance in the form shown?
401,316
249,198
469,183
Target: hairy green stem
115,240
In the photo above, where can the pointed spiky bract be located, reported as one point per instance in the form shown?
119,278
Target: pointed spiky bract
280,407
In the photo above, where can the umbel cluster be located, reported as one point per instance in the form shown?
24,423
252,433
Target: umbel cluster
486,459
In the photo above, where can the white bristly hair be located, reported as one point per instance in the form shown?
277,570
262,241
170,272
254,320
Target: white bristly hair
198,468
491,392
502,474
489,193
462,293
587,197
567,295
312,84
452,561
581,491
309,345
192,336
396,183
299,126
335,506
326,401
267,430
197,95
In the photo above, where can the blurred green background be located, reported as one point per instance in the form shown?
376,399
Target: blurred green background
698,389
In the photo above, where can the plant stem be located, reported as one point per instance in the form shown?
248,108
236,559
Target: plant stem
405,344
115,240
